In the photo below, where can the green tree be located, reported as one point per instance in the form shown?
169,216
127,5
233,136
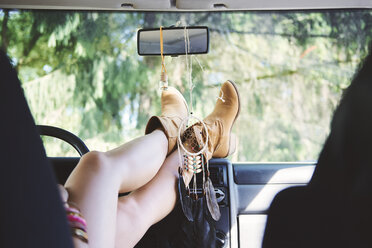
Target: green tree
80,71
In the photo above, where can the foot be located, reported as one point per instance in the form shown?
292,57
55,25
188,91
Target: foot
173,110
220,122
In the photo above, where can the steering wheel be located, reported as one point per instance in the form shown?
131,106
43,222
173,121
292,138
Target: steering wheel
64,135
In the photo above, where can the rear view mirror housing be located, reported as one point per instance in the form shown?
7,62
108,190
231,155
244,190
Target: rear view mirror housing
148,41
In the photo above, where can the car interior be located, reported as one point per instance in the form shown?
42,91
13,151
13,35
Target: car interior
244,191
246,185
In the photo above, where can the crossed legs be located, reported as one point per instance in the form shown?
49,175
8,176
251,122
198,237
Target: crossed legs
136,166
147,205
141,167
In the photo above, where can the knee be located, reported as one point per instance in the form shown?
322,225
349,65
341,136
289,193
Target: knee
94,161
92,166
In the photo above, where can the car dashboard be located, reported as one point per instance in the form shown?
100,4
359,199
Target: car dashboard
244,193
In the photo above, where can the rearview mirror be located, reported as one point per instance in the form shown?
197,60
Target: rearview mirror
148,41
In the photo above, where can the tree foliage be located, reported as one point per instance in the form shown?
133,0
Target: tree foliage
81,71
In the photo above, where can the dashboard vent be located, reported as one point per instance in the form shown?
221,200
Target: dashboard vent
216,175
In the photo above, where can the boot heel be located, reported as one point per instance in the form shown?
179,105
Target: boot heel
232,144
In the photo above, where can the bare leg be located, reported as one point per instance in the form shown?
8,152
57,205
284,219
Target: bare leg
148,204
99,177
138,161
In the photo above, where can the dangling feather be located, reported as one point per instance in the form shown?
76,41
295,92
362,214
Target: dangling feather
210,195
185,200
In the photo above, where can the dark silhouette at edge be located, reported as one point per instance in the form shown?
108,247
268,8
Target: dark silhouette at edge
335,209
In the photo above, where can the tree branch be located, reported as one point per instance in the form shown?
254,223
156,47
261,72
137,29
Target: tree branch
230,30
201,20
4,31
31,44
27,49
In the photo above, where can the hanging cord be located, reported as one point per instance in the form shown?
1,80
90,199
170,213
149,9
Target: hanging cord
191,87
189,66
163,73
189,69
202,68
183,156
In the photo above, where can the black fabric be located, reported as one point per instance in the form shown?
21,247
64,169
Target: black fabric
300,217
335,209
198,230
345,163
164,233
31,212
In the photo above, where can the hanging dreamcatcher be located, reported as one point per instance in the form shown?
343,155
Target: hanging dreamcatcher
197,197
192,145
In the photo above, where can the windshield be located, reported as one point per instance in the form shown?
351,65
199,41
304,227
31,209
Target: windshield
81,72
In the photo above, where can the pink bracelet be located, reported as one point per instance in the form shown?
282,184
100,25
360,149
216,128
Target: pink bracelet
72,210
76,218
77,223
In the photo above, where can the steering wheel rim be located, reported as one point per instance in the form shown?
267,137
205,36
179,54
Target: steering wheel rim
64,135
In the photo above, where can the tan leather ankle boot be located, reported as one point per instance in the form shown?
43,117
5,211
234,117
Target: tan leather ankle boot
173,110
221,141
